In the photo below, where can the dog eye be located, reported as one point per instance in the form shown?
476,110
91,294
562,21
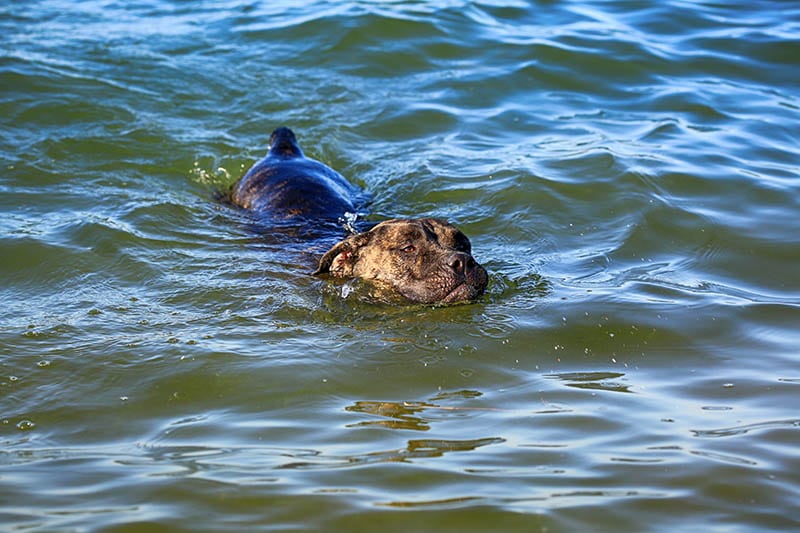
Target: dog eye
409,248
462,244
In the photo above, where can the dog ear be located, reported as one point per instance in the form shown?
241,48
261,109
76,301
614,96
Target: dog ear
340,260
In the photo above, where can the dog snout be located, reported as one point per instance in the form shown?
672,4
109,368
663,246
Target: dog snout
462,263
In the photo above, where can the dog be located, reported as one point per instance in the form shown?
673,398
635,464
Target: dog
425,260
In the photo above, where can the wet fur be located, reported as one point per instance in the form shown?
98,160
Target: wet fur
424,260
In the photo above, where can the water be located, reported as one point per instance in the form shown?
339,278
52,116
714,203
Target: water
627,171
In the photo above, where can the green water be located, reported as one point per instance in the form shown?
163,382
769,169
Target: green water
626,171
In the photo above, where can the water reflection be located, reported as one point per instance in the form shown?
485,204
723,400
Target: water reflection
401,414
415,449
607,381
415,415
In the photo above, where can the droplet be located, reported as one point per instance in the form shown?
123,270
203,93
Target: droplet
25,425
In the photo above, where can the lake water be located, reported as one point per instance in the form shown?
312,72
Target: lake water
627,171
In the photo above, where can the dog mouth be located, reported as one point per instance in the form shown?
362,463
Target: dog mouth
445,289
461,293
469,287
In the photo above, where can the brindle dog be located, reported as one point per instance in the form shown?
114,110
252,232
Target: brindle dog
424,260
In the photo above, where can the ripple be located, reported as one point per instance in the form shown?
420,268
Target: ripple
606,381
747,428
416,449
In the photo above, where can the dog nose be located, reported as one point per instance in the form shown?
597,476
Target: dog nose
461,262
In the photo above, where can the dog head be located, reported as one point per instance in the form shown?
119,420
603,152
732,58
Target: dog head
425,260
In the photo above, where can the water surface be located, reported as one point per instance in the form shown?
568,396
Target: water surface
627,172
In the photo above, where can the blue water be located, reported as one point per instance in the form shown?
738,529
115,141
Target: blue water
626,171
